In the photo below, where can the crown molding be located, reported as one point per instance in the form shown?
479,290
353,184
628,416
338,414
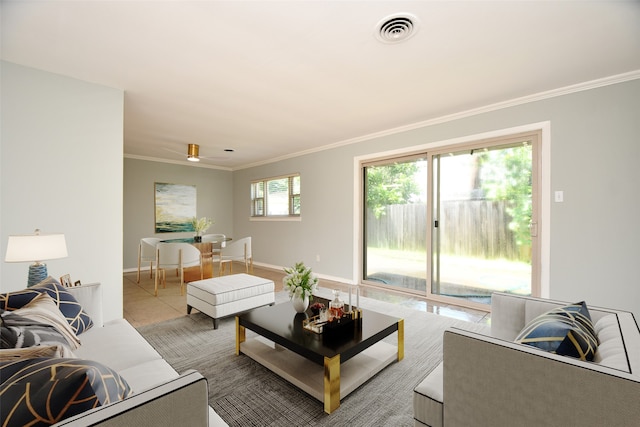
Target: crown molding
567,90
580,87
176,162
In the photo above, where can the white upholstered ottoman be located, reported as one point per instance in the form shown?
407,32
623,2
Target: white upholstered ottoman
227,295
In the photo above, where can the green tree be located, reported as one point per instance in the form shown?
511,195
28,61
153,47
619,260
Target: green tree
390,185
506,175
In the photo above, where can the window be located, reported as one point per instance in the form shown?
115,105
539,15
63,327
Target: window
276,197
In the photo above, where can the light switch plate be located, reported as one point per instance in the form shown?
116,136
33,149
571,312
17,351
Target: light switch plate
559,196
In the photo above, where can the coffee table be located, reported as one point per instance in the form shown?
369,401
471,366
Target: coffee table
327,369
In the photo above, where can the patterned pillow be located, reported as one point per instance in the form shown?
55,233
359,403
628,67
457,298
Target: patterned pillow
23,327
44,391
565,330
579,312
68,305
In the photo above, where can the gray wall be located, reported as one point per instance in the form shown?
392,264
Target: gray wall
593,234
326,226
61,171
214,200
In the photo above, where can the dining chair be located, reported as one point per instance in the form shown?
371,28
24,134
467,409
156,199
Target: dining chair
179,256
238,250
217,243
147,253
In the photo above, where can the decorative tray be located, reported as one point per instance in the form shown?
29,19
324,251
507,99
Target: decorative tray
314,324
337,325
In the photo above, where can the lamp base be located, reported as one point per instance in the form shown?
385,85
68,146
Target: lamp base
37,273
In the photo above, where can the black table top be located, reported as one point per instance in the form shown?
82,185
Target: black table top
281,324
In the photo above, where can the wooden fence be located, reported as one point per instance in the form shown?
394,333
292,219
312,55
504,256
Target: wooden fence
476,228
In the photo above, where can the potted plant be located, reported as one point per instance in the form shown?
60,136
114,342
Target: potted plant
300,282
200,226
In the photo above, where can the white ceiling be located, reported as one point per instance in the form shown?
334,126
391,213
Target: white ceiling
274,78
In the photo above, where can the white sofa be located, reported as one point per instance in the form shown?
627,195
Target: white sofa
489,380
161,396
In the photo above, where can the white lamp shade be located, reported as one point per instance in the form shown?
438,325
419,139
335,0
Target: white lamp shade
36,247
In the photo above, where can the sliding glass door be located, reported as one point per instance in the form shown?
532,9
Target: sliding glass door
482,217
395,223
454,224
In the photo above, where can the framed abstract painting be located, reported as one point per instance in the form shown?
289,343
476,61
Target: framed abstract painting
175,207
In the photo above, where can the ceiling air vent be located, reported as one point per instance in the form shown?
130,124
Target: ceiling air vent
397,28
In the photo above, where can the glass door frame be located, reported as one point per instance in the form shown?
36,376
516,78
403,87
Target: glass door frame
541,257
535,138
403,158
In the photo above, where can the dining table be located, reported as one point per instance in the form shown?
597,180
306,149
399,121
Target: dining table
203,247
193,240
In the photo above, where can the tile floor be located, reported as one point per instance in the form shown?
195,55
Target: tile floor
142,308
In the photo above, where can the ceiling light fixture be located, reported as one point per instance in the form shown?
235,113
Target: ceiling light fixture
397,28
192,153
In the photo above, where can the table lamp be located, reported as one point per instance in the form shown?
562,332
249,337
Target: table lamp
37,248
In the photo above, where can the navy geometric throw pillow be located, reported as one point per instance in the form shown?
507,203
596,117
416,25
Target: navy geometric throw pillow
68,305
44,391
567,331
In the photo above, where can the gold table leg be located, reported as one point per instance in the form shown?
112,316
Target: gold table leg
241,335
331,383
400,339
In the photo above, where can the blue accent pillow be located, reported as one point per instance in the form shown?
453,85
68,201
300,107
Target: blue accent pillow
43,391
68,305
567,331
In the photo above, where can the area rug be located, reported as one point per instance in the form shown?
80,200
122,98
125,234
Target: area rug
244,393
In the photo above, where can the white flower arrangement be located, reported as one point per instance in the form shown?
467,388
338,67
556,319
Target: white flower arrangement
201,225
300,281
